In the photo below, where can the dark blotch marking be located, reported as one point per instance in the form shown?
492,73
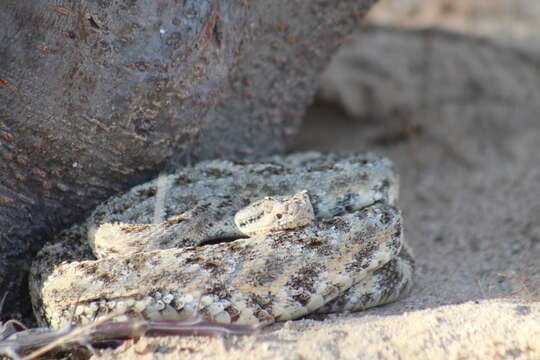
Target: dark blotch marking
262,316
305,278
344,204
217,173
245,202
302,298
385,185
360,161
366,299
183,180
362,259
385,218
314,243
211,266
364,176
219,290
263,277
200,210
88,268
226,202
397,233
146,193
282,238
271,170
105,277
330,293
339,224
318,245
194,260
262,309
320,168
234,313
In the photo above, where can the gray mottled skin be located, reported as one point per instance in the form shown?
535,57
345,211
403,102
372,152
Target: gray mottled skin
350,258
202,224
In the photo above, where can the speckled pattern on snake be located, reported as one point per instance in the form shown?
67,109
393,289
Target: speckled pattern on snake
344,253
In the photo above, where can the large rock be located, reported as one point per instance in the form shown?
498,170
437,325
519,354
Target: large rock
97,96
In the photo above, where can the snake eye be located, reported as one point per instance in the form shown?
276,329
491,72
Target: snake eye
279,216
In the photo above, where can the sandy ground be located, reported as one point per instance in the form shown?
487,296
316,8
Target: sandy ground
470,195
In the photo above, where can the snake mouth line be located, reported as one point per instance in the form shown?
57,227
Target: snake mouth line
223,239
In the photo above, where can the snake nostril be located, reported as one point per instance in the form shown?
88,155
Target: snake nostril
279,216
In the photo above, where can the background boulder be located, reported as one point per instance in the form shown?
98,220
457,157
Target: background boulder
97,96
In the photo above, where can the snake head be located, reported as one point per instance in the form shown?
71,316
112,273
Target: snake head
275,213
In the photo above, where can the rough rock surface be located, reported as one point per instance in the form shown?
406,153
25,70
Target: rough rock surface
97,96
410,74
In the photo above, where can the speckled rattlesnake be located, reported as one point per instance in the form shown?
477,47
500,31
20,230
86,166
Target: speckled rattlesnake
342,251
